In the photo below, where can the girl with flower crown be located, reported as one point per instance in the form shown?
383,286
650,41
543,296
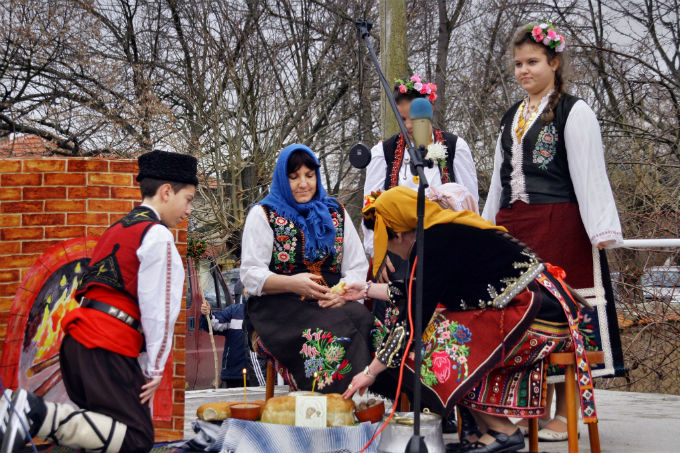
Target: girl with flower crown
389,166
549,185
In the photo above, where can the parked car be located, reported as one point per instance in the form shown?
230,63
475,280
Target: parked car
200,363
662,283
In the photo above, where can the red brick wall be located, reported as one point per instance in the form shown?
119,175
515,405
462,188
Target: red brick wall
48,200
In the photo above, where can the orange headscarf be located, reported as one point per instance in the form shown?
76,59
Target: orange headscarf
396,208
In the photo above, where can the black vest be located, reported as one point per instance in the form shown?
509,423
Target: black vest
390,146
288,252
544,157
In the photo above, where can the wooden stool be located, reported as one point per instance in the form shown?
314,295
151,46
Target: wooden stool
568,360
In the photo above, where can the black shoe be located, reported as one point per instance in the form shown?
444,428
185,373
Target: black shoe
449,424
21,415
502,444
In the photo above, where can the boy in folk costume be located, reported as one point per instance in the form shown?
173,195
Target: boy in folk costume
129,300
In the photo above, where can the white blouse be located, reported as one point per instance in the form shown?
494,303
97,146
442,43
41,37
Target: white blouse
160,285
463,169
258,241
585,157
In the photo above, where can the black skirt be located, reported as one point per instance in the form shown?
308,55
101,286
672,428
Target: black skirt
336,343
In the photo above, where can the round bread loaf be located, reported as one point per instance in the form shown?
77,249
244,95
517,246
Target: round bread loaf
281,410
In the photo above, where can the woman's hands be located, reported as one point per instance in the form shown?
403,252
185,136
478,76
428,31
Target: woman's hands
361,381
354,291
305,285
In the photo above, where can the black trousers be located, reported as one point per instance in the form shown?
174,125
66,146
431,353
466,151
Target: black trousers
102,381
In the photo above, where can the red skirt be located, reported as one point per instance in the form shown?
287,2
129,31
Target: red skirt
556,233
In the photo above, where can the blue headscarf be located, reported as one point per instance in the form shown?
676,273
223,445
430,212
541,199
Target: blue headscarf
313,217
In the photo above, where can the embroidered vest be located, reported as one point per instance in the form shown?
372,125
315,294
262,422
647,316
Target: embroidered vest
395,147
544,157
112,278
288,252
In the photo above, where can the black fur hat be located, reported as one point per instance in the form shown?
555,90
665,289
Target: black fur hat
167,166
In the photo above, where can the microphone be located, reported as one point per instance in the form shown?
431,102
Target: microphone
421,120
359,156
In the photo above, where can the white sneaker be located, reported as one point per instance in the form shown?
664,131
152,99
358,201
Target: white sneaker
21,415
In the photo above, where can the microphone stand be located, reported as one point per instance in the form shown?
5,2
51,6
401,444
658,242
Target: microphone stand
417,442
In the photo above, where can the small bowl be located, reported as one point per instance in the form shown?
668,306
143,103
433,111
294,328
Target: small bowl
246,411
371,414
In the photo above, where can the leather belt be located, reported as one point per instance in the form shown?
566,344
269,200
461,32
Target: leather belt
112,311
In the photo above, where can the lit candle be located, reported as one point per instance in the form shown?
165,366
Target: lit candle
245,395
316,376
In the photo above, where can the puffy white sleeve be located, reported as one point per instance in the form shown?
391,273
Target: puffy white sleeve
464,168
375,180
354,263
585,155
256,250
493,199
159,290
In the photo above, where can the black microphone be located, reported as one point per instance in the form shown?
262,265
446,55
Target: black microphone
421,121
359,156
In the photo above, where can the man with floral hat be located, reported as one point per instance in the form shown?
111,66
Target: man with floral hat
130,298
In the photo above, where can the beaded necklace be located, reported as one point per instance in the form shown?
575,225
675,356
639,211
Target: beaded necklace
525,118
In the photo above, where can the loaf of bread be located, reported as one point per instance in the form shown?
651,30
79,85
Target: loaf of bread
281,410
220,410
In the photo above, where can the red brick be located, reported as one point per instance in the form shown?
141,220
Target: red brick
3,334
9,276
179,369
65,205
109,179
8,193
8,289
180,342
167,435
182,318
10,166
8,248
22,206
178,422
87,218
182,236
178,396
111,206
17,262
8,234
65,179
178,410
179,355
64,232
167,424
21,179
87,165
38,246
178,383
95,231
43,219
124,166
42,193
44,165
125,193
9,220
88,192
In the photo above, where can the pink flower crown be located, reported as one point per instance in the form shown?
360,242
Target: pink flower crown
415,84
544,33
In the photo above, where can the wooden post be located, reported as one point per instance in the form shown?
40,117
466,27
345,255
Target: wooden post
393,56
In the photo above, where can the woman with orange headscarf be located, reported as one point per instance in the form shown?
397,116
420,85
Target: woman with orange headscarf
504,313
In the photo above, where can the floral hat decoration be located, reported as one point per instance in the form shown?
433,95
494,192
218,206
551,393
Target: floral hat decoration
416,85
544,33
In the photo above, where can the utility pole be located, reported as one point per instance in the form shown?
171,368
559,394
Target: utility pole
393,56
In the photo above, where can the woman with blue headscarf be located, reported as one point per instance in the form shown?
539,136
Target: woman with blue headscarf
298,243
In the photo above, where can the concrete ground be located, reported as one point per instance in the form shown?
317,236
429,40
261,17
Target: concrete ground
628,422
